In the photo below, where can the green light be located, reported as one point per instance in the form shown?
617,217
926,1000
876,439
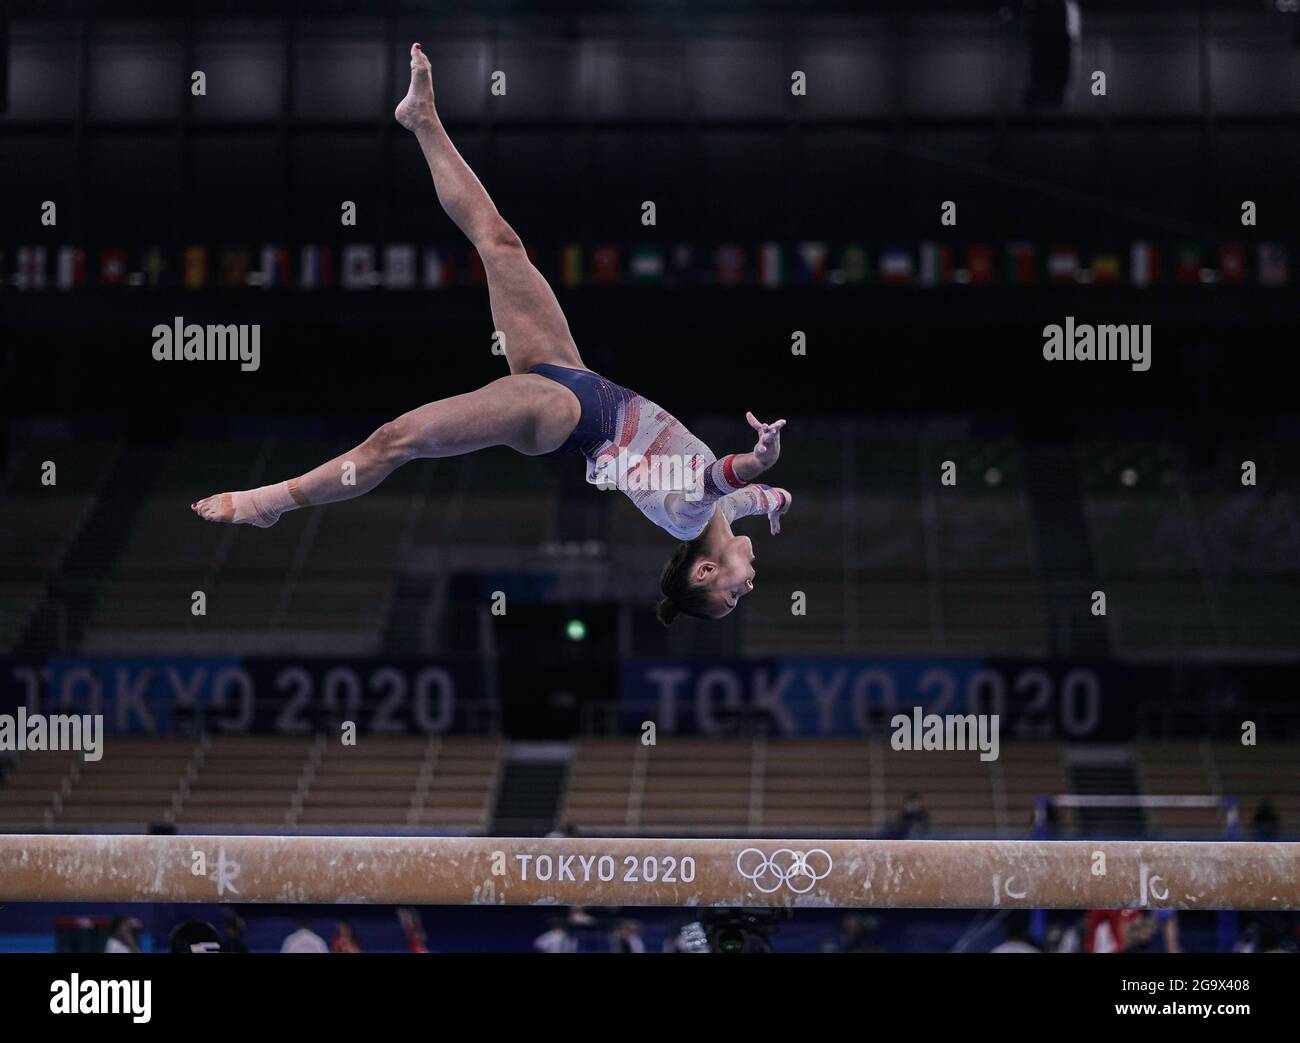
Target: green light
576,629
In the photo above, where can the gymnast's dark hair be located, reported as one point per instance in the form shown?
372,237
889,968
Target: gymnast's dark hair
680,595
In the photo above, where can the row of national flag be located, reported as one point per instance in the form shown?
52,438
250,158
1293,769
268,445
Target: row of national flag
406,266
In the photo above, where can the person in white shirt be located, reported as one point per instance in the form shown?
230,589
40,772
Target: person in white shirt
557,938
626,937
1015,939
304,939
1014,945
121,938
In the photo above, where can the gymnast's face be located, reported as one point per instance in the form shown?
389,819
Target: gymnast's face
728,576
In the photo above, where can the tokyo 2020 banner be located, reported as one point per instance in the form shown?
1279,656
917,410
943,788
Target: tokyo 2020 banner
162,695
1044,699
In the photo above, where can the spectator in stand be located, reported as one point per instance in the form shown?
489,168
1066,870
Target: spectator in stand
858,934
1155,931
1167,929
232,930
1270,932
1051,824
1140,935
914,821
557,937
1265,824
626,937
1065,938
304,939
413,929
1015,932
1106,930
194,936
121,938
344,940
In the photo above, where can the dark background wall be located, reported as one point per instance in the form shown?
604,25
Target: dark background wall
907,105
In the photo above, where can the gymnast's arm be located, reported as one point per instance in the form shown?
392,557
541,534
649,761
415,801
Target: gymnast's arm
757,499
766,451
726,483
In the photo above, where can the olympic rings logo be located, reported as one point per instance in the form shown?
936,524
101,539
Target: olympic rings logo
800,871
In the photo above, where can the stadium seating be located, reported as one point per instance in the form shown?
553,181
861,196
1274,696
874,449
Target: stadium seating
890,560
617,786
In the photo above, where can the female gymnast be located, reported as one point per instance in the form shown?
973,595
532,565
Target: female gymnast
551,403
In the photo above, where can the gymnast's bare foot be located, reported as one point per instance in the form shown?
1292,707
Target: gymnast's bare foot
416,109
238,509
247,507
218,508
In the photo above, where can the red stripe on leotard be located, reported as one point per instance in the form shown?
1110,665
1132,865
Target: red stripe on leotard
729,471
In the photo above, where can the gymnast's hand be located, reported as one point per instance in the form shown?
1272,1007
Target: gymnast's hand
774,515
767,450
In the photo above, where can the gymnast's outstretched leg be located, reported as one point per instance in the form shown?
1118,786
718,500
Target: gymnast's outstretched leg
524,307
526,412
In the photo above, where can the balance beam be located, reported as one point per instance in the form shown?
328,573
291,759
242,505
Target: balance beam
928,874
